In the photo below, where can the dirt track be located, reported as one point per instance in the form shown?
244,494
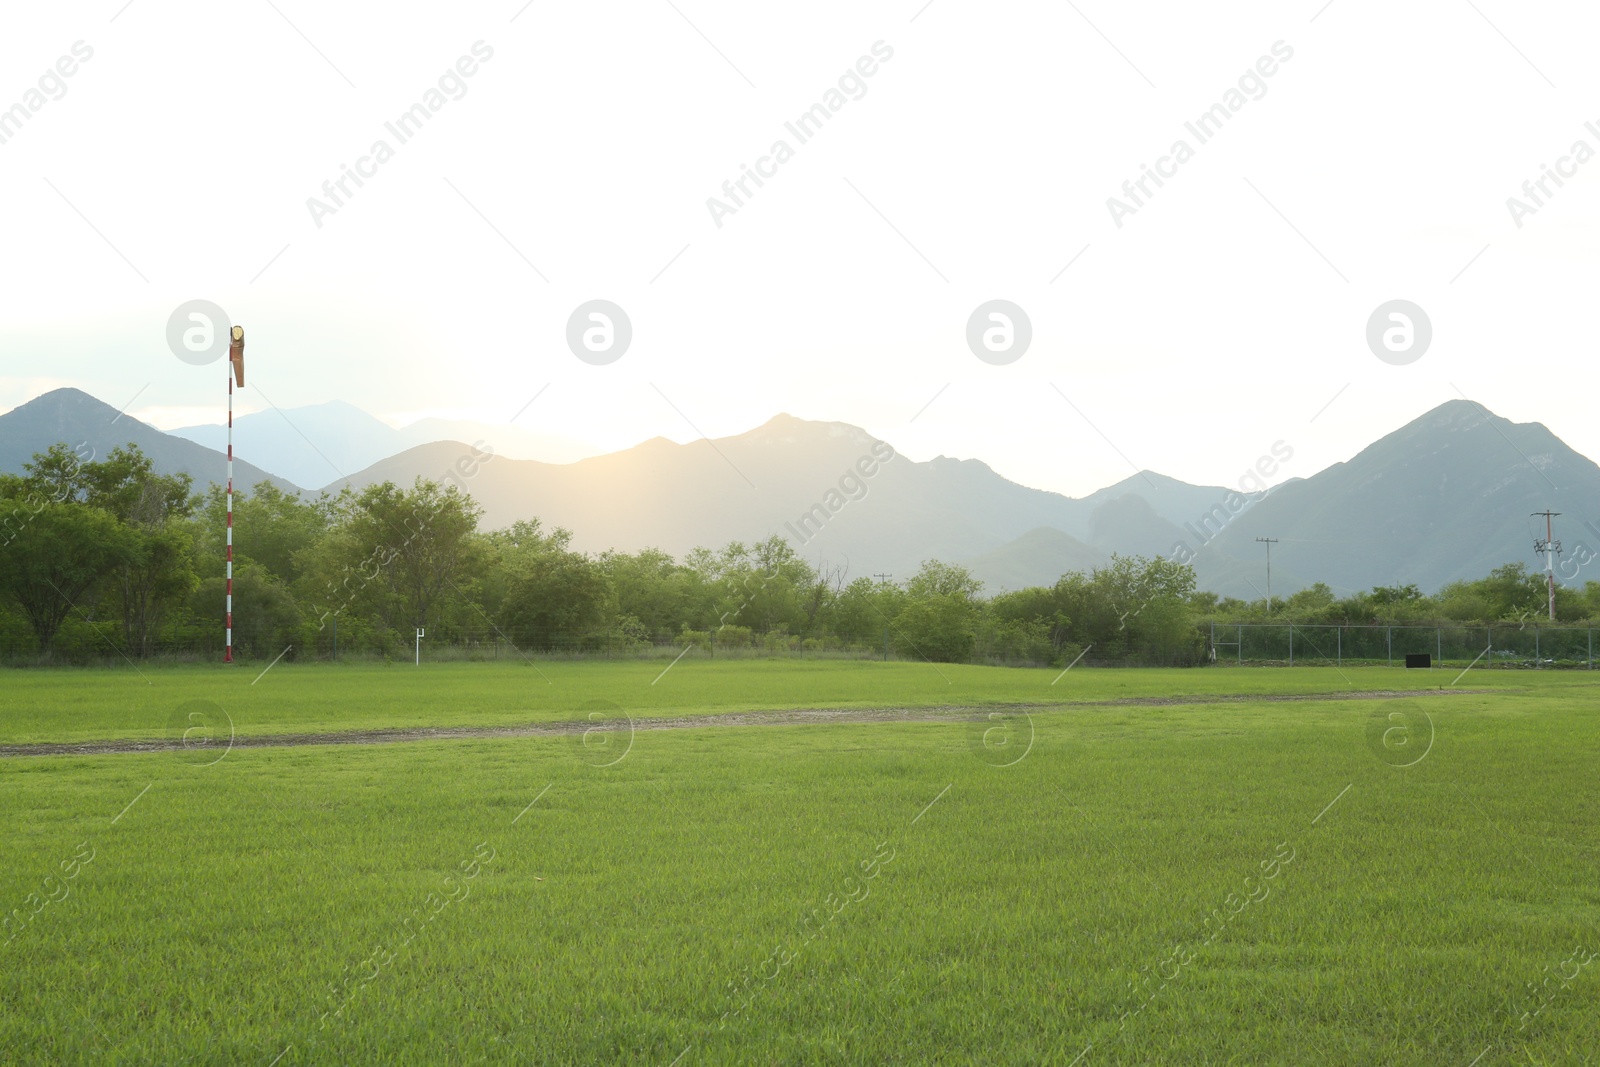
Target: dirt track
788,717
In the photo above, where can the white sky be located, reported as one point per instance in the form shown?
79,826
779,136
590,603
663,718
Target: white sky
1195,336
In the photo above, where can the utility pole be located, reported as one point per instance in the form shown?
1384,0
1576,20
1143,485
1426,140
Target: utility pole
1549,548
883,582
1269,542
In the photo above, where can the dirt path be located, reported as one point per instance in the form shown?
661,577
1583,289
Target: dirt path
788,717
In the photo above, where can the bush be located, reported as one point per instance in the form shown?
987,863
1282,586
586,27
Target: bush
733,637
779,642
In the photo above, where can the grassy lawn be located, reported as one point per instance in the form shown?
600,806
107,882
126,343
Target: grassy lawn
88,704
1405,881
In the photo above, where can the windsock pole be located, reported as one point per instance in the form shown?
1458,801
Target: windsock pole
235,370
227,656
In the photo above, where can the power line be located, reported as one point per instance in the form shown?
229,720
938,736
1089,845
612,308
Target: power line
1549,548
1269,542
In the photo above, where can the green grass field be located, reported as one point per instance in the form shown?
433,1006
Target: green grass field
1411,879
87,704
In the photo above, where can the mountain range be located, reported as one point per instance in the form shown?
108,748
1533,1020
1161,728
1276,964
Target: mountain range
93,428
311,445
1450,495
1445,497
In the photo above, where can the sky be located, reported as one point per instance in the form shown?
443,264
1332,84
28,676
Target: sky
1358,154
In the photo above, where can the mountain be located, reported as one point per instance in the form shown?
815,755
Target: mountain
1445,497
513,442
78,419
1137,516
1123,523
800,479
320,442
1129,526
310,444
1173,501
1038,557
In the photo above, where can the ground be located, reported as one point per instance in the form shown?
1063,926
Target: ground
799,862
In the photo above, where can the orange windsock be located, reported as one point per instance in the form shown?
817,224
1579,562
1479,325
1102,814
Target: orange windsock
236,354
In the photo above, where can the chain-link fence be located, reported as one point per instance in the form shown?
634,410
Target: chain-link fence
90,642
1501,646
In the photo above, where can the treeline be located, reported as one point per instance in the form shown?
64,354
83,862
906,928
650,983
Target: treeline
105,557
1511,594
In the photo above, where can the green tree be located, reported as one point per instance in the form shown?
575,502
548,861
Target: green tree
395,556
266,619
1136,608
1509,593
60,473
159,571
651,588
943,579
1311,603
54,556
761,586
1026,624
817,596
939,618
125,483
938,628
554,598
270,527
862,612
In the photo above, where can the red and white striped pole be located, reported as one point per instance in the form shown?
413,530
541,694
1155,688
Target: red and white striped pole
236,358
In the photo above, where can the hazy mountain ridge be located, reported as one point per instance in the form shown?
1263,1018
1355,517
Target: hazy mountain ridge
1446,496
313,444
73,416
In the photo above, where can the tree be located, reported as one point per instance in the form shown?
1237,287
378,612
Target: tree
760,586
862,611
1402,603
55,556
1153,597
652,589
938,618
1310,603
125,483
1591,600
554,598
59,473
818,594
270,527
396,555
1016,640
1358,609
1026,624
151,552
160,569
939,628
1135,608
1509,594
266,619
943,579
159,572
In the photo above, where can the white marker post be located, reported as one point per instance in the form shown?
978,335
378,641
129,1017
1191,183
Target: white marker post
419,646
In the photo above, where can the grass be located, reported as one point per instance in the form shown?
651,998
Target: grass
82,705
705,899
